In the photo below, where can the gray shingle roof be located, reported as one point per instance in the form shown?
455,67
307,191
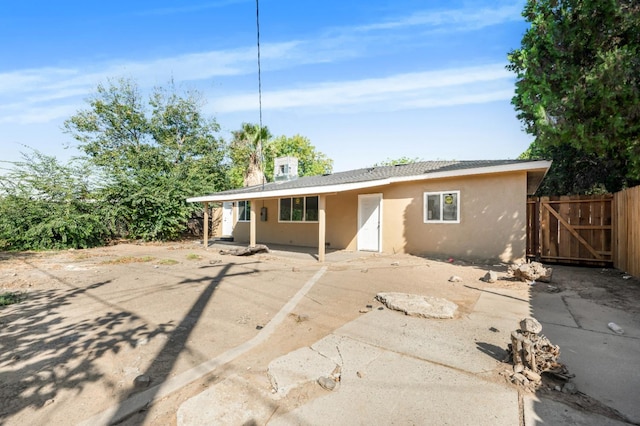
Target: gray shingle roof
372,174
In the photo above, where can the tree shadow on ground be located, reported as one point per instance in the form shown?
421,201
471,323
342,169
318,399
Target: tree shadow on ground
43,351
163,363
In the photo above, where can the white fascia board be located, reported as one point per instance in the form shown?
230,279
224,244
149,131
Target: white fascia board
293,192
541,165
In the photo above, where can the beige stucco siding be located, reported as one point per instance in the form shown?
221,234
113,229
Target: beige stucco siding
300,233
492,220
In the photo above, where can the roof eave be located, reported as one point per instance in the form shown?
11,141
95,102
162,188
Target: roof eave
538,165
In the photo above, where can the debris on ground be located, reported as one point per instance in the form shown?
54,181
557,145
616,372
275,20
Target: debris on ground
417,305
615,328
490,277
327,383
299,317
142,381
455,279
532,354
247,251
533,271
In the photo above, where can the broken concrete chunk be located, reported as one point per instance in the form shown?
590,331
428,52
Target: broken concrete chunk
455,279
531,325
533,271
534,377
519,377
420,306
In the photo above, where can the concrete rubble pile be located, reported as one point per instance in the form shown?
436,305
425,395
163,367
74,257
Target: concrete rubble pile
533,354
528,272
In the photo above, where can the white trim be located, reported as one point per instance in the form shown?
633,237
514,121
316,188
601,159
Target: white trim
440,193
227,213
540,165
379,197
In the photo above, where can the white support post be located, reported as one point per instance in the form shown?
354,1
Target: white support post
321,227
205,241
252,234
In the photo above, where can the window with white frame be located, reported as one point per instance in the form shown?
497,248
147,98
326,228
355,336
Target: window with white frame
298,209
442,207
244,211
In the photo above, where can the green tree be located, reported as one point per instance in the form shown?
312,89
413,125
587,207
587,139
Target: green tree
252,155
396,161
578,88
153,153
310,161
246,152
48,205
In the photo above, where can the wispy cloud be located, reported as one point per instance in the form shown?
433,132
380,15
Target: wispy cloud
454,19
43,94
24,94
401,91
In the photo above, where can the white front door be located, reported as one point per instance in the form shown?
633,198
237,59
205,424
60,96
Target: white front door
227,219
369,222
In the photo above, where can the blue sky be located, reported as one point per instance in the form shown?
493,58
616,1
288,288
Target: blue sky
364,81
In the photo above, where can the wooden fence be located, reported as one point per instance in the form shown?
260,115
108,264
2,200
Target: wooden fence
586,230
627,230
571,229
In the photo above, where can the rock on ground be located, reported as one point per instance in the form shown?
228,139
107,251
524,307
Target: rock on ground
420,306
531,325
490,277
533,271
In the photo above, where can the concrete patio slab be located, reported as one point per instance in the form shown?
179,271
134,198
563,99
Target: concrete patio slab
426,339
396,389
234,401
501,311
551,309
595,317
298,368
605,365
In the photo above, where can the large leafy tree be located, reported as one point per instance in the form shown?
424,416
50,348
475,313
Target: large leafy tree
578,90
152,153
311,162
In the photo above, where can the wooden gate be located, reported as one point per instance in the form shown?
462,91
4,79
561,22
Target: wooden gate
570,229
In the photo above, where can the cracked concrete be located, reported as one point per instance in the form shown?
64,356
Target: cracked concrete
299,367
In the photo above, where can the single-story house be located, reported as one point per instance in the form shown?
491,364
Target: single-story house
459,209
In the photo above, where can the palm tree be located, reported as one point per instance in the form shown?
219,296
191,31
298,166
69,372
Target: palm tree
246,152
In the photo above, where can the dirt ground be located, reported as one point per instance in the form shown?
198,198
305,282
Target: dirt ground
91,321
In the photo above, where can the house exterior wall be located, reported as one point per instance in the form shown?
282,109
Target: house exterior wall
492,220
